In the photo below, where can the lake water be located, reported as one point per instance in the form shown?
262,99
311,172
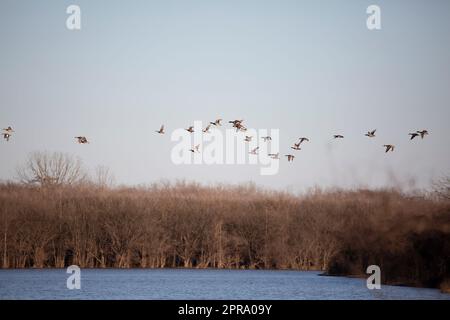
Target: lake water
196,284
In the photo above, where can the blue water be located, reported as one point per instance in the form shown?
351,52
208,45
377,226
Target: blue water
196,284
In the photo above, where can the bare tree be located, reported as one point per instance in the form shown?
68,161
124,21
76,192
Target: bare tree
103,177
50,169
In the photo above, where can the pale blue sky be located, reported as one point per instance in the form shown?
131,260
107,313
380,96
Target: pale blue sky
310,68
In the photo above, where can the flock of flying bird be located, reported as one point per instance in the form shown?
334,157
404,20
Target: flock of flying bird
7,133
290,157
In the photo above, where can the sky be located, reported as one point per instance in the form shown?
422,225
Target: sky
308,68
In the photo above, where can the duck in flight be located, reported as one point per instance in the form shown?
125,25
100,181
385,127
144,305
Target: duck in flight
413,135
216,123
195,149
303,139
371,134
82,140
290,157
206,130
274,155
248,138
161,130
267,138
6,136
338,136
389,147
422,133
190,129
238,125
296,146
254,151
8,130
235,122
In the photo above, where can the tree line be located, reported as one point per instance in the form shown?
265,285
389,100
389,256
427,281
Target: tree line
93,225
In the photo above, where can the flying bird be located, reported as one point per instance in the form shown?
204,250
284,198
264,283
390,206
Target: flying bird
303,139
422,133
389,147
8,130
248,138
254,151
6,136
290,157
161,130
190,129
216,123
296,146
371,134
196,148
240,127
82,140
268,138
413,135
206,130
274,155
338,136
235,122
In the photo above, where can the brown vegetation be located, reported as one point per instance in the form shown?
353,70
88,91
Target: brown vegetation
187,225
341,232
